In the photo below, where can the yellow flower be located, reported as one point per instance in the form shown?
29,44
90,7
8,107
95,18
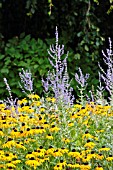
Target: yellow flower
40,152
87,158
57,153
91,155
28,132
42,109
49,99
85,167
23,118
15,133
73,166
49,136
78,106
74,154
7,156
39,130
2,105
99,131
25,108
58,167
90,145
28,140
104,149
9,144
33,96
1,152
53,100
38,103
50,151
87,136
66,140
16,162
33,163
110,158
1,133
4,124
64,150
62,163
2,166
21,146
99,156
30,110
23,101
70,124
29,155
54,128
45,125
10,165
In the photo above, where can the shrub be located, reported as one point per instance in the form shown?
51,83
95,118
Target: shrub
23,52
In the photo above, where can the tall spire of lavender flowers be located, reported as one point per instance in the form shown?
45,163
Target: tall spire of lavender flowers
108,75
58,79
82,81
26,79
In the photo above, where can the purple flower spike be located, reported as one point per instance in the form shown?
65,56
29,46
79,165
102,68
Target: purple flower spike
82,80
58,79
108,75
26,79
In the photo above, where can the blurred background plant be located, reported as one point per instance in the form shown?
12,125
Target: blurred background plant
23,52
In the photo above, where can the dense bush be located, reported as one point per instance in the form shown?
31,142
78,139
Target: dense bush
23,52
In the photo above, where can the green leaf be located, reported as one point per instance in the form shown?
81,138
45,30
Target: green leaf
77,56
79,34
16,91
13,83
86,48
40,42
40,61
10,51
35,66
27,38
22,64
22,35
5,70
49,13
95,81
7,62
2,56
49,1
2,84
18,55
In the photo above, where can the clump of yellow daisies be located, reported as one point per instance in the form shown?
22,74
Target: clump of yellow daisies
38,135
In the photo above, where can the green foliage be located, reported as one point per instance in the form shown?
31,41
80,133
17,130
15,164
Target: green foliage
110,8
88,51
89,43
31,6
23,52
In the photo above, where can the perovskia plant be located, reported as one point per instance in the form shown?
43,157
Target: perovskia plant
58,79
108,75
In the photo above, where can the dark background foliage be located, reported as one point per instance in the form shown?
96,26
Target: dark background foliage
27,28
